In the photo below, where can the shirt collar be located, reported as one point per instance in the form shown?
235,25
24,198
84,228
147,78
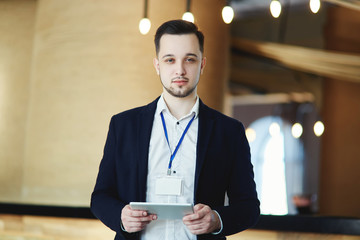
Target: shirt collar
162,107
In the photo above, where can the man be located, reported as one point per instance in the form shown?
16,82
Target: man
176,150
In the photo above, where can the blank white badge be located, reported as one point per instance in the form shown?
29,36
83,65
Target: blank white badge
168,186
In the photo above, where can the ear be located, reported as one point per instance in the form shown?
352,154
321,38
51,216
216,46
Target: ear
203,63
156,65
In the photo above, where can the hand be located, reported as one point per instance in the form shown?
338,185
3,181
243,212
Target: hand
135,220
202,221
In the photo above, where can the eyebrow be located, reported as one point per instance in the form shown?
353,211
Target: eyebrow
172,55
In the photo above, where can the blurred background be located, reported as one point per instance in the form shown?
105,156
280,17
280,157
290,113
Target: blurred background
67,66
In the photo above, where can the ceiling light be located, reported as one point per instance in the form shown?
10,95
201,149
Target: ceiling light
188,16
314,5
274,129
227,14
319,128
297,130
275,8
145,24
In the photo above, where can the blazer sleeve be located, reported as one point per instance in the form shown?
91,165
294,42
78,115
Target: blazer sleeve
243,210
105,203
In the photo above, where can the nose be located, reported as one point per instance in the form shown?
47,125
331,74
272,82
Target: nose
180,69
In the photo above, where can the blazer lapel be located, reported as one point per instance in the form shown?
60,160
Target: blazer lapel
206,123
144,122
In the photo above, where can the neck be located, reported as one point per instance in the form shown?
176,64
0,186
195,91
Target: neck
179,107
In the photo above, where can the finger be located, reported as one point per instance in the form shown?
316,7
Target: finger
136,213
127,210
131,218
191,217
200,228
135,220
195,215
197,229
135,224
205,222
145,219
200,211
198,221
198,207
153,216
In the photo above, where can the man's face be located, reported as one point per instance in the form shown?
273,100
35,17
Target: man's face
179,64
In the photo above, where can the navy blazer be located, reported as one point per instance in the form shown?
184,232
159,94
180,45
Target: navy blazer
222,166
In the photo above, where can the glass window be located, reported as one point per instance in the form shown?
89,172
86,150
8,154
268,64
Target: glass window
278,164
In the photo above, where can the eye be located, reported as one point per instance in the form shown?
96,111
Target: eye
191,60
169,60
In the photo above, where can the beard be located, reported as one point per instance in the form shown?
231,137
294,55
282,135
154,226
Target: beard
181,92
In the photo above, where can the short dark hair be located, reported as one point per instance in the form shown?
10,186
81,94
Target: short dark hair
178,27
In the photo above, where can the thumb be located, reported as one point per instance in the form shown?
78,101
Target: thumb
198,207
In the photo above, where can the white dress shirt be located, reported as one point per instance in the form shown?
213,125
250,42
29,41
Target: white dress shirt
183,167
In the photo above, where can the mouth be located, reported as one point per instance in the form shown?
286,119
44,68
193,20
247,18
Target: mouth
180,80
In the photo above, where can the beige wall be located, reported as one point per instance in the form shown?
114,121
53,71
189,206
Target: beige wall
71,66
89,63
17,20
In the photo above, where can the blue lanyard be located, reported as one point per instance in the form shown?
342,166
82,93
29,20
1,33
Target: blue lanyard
179,143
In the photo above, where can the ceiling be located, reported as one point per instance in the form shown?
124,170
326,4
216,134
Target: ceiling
245,7
295,26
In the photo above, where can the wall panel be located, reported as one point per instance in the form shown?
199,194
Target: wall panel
17,19
86,61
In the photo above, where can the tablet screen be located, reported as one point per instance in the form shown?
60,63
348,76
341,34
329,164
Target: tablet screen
164,210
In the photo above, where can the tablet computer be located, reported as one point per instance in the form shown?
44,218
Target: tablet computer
164,210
